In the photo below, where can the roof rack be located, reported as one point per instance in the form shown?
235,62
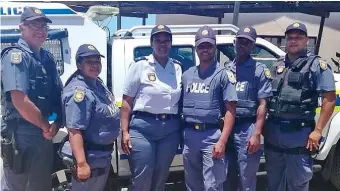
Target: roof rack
177,29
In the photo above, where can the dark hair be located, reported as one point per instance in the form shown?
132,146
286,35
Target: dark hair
79,59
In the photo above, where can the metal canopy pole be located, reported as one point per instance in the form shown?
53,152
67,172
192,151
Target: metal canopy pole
236,12
318,42
144,21
119,18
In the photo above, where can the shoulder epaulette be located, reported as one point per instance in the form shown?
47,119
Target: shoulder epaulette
140,58
176,61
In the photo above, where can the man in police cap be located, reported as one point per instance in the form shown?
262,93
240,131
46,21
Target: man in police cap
253,90
31,92
292,135
208,96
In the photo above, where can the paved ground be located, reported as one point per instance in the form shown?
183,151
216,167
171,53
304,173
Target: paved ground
317,184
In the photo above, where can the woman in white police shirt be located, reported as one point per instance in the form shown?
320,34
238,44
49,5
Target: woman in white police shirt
152,135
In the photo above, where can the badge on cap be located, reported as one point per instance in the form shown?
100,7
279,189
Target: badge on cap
231,77
204,32
79,95
197,126
280,69
160,27
37,11
91,47
246,30
152,77
16,57
267,73
323,64
296,25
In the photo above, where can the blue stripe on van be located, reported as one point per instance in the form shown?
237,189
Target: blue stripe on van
123,156
58,11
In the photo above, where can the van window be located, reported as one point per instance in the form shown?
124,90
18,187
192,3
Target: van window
259,53
10,37
53,46
184,54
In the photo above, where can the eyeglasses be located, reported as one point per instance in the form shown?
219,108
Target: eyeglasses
37,26
93,62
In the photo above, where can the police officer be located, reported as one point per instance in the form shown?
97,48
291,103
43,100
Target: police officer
253,88
209,95
31,93
291,134
92,118
152,91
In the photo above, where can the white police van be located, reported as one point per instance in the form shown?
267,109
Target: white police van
71,29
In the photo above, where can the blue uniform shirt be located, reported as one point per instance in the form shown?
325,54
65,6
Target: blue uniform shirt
90,107
155,89
254,77
321,73
24,71
205,94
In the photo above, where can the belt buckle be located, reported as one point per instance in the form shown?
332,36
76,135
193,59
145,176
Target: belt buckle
197,126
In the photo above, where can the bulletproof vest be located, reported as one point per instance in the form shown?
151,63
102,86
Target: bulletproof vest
202,103
294,95
246,107
40,86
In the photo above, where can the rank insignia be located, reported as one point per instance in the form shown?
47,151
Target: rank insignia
231,77
152,77
16,57
280,69
79,95
43,70
267,73
323,64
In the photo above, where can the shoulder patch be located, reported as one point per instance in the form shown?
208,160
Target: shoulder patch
16,57
280,69
231,77
267,73
323,64
140,58
79,95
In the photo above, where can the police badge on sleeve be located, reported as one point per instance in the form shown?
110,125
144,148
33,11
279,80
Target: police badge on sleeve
79,95
152,77
267,73
323,64
16,57
231,77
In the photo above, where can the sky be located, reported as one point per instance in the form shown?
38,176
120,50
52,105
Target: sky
127,22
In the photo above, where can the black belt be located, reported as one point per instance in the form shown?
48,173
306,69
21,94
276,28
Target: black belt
292,151
162,116
202,126
245,119
91,146
294,122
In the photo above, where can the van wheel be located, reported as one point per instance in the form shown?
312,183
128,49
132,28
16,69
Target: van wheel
335,174
61,180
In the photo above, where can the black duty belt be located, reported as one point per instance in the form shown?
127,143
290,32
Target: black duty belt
292,151
239,120
202,126
162,116
91,146
294,122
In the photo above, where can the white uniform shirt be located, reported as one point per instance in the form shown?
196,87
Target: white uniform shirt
155,89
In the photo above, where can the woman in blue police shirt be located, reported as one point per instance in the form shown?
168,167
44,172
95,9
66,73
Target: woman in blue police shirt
152,135
92,119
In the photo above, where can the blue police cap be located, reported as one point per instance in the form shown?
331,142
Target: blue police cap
87,50
159,29
296,26
247,32
32,13
205,34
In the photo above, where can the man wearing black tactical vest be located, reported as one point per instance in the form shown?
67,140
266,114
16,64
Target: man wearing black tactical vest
291,134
